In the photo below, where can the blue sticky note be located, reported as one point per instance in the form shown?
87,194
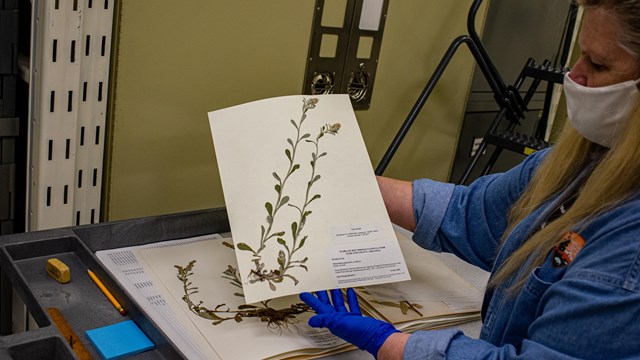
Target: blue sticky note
118,340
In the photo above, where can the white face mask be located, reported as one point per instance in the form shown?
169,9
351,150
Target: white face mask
599,113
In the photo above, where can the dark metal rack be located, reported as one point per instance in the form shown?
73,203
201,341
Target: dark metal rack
8,114
512,105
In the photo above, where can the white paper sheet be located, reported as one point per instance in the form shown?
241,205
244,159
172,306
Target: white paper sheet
127,269
436,289
271,169
250,338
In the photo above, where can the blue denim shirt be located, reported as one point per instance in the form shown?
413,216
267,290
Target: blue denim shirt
587,310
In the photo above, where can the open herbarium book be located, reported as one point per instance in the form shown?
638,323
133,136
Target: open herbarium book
200,282
196,281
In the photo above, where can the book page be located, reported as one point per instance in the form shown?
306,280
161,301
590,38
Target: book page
434,292
304,206
128,270
208,293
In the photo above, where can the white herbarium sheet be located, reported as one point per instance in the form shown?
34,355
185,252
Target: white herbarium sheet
305,210
205,296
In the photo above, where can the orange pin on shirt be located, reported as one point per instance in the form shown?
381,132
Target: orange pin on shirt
566,251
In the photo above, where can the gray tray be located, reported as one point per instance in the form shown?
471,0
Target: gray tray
22,263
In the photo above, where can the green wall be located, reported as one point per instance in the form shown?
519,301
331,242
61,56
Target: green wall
175,61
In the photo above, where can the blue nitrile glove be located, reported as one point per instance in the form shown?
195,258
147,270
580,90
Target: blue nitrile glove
365,332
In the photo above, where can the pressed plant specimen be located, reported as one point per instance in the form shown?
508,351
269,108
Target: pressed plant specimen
403,305
289,241
276,319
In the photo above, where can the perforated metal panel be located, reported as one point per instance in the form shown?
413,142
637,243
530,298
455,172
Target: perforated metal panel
344,49
69,75
94,76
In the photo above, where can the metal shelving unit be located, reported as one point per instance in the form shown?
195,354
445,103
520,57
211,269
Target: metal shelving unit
69,74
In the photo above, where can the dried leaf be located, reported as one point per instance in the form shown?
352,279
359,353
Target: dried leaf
284,201
245,247
295,281
404,307
280,262
247,306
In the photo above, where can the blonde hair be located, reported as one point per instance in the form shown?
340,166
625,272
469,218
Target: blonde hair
614,179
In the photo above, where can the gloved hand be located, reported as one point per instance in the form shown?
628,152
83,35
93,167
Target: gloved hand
366,333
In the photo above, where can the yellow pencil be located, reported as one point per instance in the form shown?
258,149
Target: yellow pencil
106,292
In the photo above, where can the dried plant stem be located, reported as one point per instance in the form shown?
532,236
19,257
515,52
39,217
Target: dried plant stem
276,319
281,200
285,258
297,227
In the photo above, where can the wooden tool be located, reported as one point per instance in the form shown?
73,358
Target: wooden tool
68,334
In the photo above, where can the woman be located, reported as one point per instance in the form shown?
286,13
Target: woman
560,232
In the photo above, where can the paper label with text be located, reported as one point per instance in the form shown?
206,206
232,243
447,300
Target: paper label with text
353,233
366,263
321,338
